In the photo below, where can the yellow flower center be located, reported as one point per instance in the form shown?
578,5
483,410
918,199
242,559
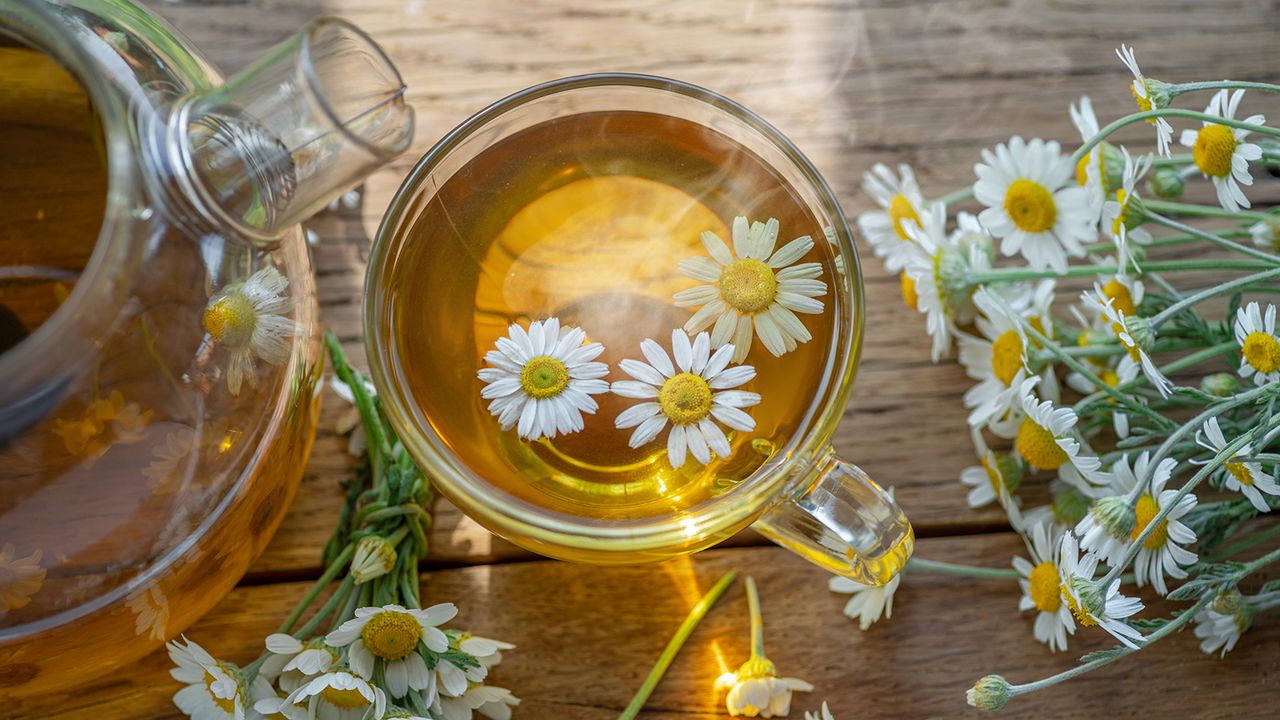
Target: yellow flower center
1045,587
1110,377
1117,329
1030,206
909,295
1144,104
685,399
1239,472
900,209
1121,298
1122,217
1261,351
348,699
1082,169
544,377
230,320
391,635
1039,447
1006,356
227,705
1082,617
748,285
1213,149
993,475
1147,510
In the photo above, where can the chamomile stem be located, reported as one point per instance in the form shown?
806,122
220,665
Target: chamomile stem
1210,292
919,563
960,195
1167,112
379,445
1180,88
338,565
677,641
1012,274
1180,364
757,619
1177,208
1215,239
335,601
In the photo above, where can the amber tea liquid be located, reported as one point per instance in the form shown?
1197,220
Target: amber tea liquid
584,218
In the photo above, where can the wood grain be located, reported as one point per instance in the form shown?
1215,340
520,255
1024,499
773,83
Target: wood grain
587,636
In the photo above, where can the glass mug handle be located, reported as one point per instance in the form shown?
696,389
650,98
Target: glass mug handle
837,517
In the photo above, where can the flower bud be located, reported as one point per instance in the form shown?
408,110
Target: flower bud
1011,470
1114,516
1112,166
1220,384
990,693
1142,332
1167,183
1159,93
1227,601
1069,505
374,557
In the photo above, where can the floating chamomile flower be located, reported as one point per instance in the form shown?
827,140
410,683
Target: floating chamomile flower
1149,94
391,634
690,395
1042,589
1165,550
1091,604
1220,153
250,320
752,289
542,379
1240,475
105,422
1259,344
1046,437
902,204
1120,219
1126,331
20,577
212,688
173,461
344,695
868,602
1029,205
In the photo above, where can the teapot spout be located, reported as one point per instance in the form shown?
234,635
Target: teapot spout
278,141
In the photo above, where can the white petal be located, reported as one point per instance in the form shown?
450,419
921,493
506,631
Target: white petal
681,349
657,357
676,446
633,389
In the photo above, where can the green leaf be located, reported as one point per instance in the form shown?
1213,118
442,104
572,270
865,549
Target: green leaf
1109,654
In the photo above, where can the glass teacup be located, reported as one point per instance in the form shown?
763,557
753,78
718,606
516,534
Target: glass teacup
667,224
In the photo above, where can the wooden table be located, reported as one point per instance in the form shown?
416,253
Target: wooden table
852,83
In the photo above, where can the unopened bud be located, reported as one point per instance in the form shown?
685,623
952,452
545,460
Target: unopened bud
374,557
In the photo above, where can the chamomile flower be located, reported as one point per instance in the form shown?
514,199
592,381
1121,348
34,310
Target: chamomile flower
1149,94
1090,604
824,714
752,289
104,423
339,695
250,320
173,461
1165,550
392,634
20,577
212,688
1219,629
1029,206
1091,170
868,603
487,651
1042,589
923,270
289,653
995,479
998,361
542,379
1120,219
691,395
491,702
1259,344
1125,331
1266,233
901,207
1221,153
1121,373
756,690
1240,475
1046,437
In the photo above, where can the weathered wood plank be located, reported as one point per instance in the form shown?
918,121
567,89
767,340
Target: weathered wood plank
852,83
586,637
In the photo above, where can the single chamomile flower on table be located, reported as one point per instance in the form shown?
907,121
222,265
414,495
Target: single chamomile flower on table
340,695
541,380
1125,330
1091,604
868,603
1046,437
391,634
1149,94
1042,588
756,689
752,289
20,577
1029,204
212,688
692,395
1221,153
901,204
1239,475
1120,219
1259,344
1164,552
250,320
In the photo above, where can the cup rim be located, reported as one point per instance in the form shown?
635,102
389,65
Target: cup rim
545,531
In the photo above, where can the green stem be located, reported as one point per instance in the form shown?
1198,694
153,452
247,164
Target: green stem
1248,542
1215,239
956,196
334,602
1166,112
1012,274
1182,363
1195,298
379,445
1180,88
338,565
673,647
1177,208
757,619
919,563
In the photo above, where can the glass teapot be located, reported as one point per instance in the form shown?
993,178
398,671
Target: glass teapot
159,348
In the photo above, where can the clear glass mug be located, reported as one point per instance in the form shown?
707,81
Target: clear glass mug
801,494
